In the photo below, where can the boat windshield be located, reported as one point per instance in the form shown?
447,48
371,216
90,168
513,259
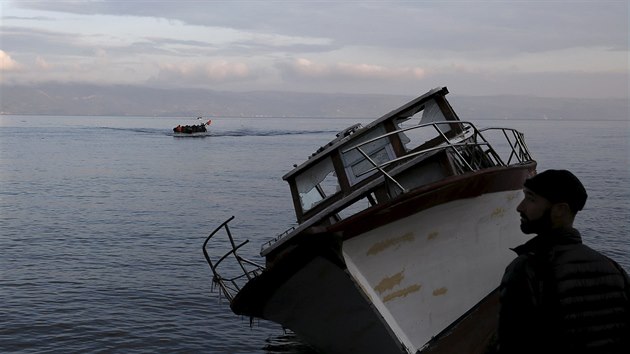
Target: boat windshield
430,113
317,184
320,182
357,166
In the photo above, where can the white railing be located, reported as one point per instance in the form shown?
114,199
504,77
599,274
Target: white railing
471,149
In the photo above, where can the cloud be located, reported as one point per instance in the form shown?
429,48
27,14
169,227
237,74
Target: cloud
357,46
379,72
7,63
486,26
202,73
307,69
41,63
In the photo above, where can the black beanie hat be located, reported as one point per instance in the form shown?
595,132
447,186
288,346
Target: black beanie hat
559,186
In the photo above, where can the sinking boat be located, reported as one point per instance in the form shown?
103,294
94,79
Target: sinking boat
403,232
192,130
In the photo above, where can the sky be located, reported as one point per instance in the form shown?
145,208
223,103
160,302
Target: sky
542,48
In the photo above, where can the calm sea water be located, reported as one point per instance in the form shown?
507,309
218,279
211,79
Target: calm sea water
102,221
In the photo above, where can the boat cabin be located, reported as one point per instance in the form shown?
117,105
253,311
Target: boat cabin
352,160
419,143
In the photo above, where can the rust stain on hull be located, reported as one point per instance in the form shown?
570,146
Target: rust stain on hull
497,213
402,293
383,245
389,282
440,291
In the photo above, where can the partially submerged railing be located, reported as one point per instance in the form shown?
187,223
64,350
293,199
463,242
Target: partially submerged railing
246,270
471,150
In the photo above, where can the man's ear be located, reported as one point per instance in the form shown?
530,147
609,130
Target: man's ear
561,211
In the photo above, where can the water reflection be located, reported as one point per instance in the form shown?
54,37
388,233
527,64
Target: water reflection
287,343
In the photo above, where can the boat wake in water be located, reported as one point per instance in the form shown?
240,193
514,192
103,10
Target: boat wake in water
252,132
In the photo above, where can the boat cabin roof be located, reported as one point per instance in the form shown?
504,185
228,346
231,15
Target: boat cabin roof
408,110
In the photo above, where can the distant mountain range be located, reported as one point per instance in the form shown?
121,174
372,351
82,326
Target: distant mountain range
127,100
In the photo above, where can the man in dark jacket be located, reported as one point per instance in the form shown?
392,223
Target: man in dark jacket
559,295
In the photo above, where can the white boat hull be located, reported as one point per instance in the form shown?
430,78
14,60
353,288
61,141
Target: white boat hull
436,264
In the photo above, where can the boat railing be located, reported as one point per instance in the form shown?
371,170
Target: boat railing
518,151
245,269
471,149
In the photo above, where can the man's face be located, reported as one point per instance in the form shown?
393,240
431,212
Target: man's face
535,213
